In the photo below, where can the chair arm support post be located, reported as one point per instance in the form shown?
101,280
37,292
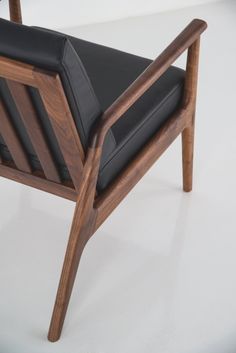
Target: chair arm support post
15,11
189,100
153,72
190,87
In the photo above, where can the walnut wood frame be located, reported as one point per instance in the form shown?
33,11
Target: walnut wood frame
91,209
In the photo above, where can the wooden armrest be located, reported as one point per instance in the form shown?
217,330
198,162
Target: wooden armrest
153,72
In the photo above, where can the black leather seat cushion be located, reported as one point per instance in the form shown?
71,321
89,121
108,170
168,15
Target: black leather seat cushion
110,72
51,51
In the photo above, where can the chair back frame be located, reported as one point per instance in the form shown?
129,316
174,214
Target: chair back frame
91,209
18,76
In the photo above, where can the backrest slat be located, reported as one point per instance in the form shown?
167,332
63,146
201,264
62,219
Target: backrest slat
12,141
59,114
51,102
17,71
53,51
53,96
29,117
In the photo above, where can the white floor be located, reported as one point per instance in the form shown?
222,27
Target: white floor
159,275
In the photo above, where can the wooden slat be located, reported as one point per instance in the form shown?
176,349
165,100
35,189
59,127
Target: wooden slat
59,113
38,181
17,71
12,141
113,195
1,159
29,117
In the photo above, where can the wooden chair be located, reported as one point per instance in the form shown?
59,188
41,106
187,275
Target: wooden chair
86,122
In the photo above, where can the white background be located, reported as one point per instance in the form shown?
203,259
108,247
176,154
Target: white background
159,275
64,13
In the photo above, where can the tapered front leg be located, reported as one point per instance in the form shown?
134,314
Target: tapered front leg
187,156
81,231
83,227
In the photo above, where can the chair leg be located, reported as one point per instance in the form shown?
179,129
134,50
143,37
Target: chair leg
81,231
83,227
187,156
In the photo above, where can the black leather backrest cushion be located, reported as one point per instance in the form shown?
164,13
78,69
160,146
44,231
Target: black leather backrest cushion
54,51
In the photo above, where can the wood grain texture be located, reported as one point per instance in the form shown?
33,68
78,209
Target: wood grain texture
153,72
15,11
30,119
59,113
37,181
187,156
190,94
91,209
81,230
12,141
190,87
136,169
17,71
